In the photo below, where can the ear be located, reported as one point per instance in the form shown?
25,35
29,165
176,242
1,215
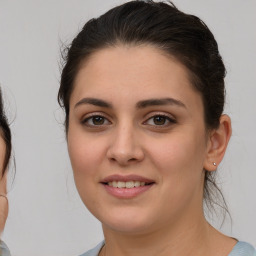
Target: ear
217,143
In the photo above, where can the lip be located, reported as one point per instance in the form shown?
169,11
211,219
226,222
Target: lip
127,193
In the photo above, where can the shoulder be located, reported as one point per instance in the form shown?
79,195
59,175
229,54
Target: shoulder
95,251
243,249
4,251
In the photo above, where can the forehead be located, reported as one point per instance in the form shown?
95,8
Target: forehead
136,71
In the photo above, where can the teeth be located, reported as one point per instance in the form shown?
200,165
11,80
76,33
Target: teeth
136,184
121,184
114,184
127,184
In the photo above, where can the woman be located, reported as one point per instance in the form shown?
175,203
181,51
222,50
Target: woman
5,153
143,92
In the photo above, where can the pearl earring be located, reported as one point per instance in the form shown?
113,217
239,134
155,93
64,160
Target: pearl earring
214,164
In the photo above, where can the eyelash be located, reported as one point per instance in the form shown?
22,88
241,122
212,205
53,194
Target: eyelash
90,118
166,119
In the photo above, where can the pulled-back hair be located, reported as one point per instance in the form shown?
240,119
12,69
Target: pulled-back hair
175,33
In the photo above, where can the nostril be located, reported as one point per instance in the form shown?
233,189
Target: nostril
132,160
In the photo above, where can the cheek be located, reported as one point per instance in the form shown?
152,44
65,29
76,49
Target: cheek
178,150
86,156
179,163
179,160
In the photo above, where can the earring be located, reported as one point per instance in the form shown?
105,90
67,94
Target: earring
214,164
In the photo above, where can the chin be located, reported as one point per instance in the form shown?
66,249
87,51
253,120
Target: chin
128,222
127,228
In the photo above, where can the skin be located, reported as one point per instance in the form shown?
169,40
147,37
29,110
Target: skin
3,190
168,218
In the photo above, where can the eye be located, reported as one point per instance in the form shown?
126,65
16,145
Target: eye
160,120
95,120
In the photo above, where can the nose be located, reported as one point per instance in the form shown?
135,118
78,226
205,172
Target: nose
125,147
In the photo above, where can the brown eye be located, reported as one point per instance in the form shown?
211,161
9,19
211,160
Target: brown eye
98,120
159,120
95,121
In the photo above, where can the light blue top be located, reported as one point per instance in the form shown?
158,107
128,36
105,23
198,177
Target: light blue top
240,249
4,251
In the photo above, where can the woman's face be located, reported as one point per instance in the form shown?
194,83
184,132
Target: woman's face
2,154
3,202
137,139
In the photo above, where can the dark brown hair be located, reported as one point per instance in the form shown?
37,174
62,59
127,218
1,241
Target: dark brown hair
5,133
177,34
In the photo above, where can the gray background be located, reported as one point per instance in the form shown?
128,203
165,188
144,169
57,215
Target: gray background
46,215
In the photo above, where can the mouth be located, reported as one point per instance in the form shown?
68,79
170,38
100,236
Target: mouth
126,186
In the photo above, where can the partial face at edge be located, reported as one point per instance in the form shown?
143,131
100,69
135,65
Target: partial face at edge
2,154
134,112
3,189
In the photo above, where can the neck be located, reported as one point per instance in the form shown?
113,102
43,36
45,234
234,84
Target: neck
198,239
181,239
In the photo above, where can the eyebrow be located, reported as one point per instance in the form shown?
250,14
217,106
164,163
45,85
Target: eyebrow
139,105
159,102
95,102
